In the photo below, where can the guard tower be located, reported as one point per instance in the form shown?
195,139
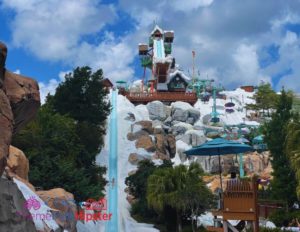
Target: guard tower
156,56
167,83
239,203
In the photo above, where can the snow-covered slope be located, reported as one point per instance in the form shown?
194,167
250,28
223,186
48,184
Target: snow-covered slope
126,222
125,110
239,97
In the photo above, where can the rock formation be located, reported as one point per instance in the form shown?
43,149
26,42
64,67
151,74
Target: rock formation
19,101
11,203
150,136
157,110
135,158
18,163
64,204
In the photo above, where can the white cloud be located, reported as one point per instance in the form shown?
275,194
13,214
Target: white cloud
230,37
17,71
53,29
113,56
62,74
189,5
247,66
47,88
290,38
56,34
290,82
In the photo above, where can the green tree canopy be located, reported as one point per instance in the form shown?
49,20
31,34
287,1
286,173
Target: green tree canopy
82,96
181,188
265,98
53,149
284,183
63,141
137,184
293,148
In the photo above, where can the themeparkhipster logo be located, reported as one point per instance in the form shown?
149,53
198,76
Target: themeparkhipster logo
90,210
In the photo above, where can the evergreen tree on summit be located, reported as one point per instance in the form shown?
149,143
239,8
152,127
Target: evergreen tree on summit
276,131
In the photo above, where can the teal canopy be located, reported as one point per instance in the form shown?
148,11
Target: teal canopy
219,146
121,82
258,139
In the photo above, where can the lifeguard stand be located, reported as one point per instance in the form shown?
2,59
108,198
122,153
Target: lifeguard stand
239,203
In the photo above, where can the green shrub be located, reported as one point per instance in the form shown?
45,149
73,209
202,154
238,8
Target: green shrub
281,216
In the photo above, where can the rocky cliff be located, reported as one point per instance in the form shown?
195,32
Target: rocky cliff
19,102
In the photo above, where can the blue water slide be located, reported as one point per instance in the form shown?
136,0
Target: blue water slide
159,48
112,225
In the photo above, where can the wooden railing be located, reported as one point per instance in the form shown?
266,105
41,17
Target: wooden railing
162,96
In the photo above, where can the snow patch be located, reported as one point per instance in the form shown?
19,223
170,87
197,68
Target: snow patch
43,210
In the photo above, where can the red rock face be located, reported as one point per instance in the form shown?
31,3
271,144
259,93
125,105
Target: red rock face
24,97
19,102
6,129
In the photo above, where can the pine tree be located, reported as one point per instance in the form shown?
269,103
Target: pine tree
284,183
265,99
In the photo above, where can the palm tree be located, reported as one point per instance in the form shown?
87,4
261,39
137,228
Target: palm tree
182,189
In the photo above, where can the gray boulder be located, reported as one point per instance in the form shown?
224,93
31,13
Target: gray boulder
205,162
194,137
157,110
181,128
12,204
195,114
181,147
190,120
130,117
168,121
174,122
180,115
168,110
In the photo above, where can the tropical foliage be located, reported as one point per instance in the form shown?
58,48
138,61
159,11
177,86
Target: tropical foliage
180,188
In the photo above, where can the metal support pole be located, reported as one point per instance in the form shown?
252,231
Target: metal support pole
242,173
220,170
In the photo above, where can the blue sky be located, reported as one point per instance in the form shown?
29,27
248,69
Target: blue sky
236,42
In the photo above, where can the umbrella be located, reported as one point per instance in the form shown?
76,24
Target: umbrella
258,139
219,147
242,140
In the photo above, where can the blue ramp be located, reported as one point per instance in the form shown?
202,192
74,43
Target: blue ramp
112,225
